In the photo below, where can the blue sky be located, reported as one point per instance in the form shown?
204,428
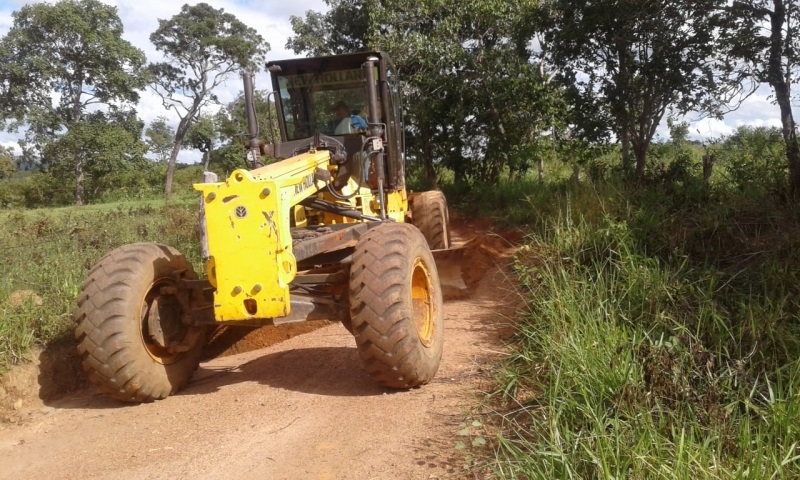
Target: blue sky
271,19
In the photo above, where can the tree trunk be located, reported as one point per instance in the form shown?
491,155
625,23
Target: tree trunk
427,159
180,134
80,186
77,110
777,81
640,150
625,137
207,160
173,158
540,165
619,110
708,167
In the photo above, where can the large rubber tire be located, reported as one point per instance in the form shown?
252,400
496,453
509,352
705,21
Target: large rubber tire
429,214
396,306
117,352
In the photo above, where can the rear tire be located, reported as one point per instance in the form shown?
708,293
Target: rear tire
429,214
396,306
118,352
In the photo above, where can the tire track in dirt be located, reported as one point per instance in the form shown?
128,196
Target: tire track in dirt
301,408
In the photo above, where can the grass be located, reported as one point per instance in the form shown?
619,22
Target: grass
661,336
49,252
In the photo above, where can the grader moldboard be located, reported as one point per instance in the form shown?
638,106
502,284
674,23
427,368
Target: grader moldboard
328,232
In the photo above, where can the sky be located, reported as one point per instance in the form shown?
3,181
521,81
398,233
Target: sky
271,19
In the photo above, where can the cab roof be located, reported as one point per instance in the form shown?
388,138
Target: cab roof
347,61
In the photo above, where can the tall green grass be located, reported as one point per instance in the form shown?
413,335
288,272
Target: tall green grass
50,251
660,340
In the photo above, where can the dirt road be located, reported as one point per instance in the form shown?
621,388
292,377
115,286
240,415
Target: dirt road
301,409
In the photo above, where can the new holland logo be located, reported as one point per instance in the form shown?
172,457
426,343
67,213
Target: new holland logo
241,211
308,182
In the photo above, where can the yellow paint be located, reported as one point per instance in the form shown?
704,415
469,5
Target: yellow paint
249,238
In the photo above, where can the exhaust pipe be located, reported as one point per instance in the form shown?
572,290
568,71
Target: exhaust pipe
253,151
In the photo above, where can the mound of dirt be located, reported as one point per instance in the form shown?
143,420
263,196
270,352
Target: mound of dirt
20,297
476,249
46,374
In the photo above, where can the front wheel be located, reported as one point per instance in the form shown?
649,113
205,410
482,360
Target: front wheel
134,334
396,306
429,213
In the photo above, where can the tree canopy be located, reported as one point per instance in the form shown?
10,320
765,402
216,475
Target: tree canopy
203,47
490,87
628,64
473,99
58,61
159,137
7,164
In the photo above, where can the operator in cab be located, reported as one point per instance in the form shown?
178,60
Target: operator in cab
347,122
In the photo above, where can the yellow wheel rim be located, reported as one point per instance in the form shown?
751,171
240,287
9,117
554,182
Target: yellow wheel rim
423,310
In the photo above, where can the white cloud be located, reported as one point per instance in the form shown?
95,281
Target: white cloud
758,110
709,128
10,142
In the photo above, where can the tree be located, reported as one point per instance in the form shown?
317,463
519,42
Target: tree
222,137
58,61
203,47
203,134
766,43
473,99
344,28
632,62
7,164
107,143
160,137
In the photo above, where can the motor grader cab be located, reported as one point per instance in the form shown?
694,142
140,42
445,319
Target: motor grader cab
325,232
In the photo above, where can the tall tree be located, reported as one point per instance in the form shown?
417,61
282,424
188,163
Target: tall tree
764,36
57,61
634,61
160,138
472,96
203,47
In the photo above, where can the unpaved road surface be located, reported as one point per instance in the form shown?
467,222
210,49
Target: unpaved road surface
300,409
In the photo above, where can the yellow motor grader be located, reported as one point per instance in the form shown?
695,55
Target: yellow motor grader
327,232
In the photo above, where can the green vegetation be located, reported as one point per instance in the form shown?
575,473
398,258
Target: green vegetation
49,253
660,337
74,49
485,81
138,181
69,87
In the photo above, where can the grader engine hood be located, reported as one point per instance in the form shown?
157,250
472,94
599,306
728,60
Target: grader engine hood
246,221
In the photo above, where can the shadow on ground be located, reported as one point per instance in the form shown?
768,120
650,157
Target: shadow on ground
329,371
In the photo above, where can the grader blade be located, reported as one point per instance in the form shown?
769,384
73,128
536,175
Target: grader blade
451,278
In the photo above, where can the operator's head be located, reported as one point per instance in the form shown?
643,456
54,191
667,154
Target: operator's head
341,110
